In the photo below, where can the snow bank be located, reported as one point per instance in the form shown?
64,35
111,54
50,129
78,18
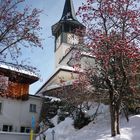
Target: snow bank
62,130
98,131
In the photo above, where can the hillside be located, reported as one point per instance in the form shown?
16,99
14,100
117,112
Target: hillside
100,130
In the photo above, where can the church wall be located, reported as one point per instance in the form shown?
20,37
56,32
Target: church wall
59,79
87,62
61,52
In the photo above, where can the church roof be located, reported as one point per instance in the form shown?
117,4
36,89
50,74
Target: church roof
68,11
57,71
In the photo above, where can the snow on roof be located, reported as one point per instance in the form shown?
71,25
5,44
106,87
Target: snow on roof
52,98
54,86
17,69
87,54
66,68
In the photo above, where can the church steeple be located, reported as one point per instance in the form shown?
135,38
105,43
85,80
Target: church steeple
68,18
64,32
68,11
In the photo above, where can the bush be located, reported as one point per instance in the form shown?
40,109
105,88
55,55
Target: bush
81,120
61,118
64,111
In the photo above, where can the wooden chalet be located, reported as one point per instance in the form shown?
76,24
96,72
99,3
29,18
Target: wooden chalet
15,81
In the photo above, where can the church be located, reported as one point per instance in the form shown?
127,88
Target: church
67,41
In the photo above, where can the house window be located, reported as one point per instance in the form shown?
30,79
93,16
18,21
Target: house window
7,128
24,129
32,107
0,107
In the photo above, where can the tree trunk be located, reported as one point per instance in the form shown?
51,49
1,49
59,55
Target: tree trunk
112,109
113,120
112,115
118,120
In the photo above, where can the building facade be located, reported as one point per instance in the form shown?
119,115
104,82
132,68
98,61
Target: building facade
16,115
18,109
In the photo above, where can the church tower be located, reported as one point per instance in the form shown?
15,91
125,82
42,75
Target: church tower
63,31
65,39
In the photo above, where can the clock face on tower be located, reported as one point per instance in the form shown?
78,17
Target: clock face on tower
72,39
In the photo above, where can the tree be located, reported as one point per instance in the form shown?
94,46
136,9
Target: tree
112,37
19,29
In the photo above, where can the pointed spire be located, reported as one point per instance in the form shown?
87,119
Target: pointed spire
68,17
68,11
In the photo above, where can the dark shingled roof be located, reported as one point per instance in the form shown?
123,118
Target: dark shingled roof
68,16
68,11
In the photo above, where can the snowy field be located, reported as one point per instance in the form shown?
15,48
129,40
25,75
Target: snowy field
100,130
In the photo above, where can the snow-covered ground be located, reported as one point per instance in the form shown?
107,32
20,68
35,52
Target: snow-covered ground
100,130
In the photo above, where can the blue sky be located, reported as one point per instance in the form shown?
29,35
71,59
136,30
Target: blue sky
43,59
